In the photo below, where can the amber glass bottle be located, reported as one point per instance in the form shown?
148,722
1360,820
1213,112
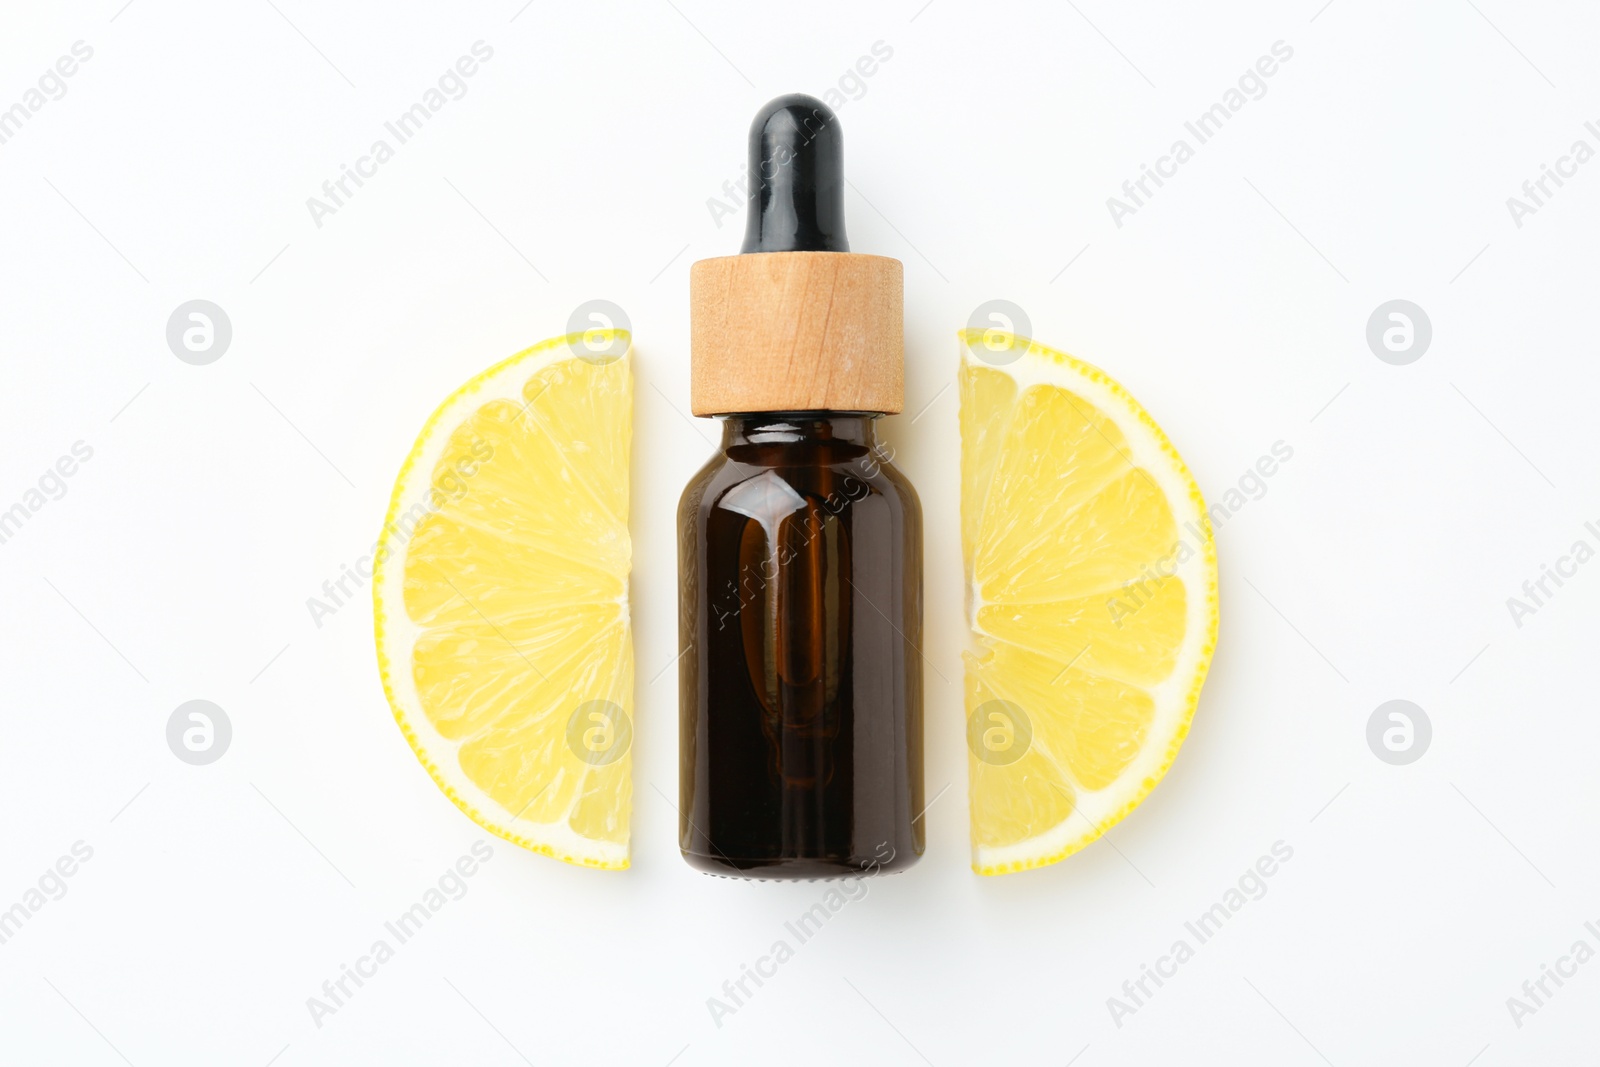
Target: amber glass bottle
802,693
800,544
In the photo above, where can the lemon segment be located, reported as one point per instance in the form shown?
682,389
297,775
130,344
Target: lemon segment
1092,600
500,595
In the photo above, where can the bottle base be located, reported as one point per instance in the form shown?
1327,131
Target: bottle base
800,868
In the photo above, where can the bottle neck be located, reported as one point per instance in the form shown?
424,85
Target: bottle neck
854,428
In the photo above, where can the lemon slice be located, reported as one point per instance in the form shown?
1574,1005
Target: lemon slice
1092,600
500,593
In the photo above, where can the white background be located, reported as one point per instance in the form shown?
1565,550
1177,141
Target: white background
1376,566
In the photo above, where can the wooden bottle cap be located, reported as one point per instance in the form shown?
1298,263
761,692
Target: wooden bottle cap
797,331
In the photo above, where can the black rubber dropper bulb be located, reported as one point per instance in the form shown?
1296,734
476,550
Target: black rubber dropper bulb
796,178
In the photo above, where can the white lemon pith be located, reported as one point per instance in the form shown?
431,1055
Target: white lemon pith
500,595
1091,580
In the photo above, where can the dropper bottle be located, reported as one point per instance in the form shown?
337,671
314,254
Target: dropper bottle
800,544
